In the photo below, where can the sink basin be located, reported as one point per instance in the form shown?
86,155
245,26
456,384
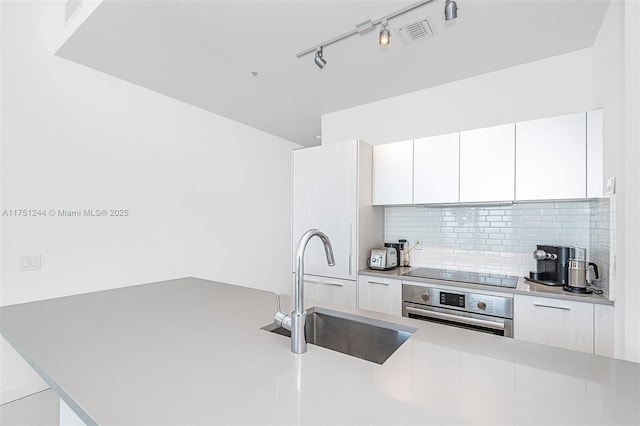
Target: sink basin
361,337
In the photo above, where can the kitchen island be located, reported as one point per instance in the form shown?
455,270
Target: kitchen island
192,351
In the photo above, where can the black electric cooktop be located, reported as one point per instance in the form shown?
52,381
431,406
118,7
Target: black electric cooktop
498,280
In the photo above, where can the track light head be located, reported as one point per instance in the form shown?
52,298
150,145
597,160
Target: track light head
319,59
385,36
450,10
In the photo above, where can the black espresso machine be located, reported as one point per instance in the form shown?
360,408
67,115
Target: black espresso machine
552,264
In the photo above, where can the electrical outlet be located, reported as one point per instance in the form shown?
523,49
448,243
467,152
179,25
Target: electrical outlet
30,262
611,186
418,243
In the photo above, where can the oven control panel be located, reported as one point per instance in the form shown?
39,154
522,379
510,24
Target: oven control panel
499,306
452,299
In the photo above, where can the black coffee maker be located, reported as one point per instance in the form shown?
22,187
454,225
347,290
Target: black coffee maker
552,265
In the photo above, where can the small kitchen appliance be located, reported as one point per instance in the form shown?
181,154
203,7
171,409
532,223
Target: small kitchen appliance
578,270
383,259
435,300
464,309
552,265
399,246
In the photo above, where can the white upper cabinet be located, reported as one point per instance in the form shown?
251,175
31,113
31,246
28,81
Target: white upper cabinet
436,162
487,164
548,159
551,158
393,173
595,154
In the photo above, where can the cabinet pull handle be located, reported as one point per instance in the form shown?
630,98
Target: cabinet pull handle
377,282
312,280
564,308
456,318
350,247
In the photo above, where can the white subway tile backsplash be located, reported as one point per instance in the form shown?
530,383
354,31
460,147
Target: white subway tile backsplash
501,239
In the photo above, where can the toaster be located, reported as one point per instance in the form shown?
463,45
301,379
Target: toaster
383,258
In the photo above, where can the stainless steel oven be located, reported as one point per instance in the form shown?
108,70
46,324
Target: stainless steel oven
474,311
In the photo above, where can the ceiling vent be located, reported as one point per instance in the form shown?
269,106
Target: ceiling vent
416,31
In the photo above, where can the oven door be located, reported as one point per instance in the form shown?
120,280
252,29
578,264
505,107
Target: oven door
470,321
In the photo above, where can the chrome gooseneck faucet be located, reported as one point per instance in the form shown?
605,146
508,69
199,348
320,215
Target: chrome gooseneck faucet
297,320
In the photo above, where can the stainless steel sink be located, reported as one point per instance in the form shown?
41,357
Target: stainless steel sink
361,337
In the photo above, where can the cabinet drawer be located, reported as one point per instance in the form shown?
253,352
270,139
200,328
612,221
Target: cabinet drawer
331,290
554,322
380,294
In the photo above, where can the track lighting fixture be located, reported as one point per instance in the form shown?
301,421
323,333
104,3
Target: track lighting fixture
385,35
450,10
319,59
450,13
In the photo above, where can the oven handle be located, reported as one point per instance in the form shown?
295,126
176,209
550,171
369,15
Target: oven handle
456,318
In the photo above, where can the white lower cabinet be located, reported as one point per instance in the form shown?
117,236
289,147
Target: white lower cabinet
380,294
331,290
603,330
562,323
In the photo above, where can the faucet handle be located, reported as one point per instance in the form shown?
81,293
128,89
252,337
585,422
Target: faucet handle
281,319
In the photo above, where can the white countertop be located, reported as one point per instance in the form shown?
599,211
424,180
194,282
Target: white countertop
191,351
523,287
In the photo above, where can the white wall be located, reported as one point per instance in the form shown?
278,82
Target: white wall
616,90
207,196
553,86
632,158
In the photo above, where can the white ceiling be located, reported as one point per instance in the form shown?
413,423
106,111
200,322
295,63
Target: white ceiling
204,52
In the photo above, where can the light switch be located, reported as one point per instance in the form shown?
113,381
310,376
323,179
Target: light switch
31,262
25,263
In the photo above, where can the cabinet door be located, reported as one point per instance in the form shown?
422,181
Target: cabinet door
551,158
554,322
330,290
487,164
380,294
324,197
595,154
603,330
393,173
436,162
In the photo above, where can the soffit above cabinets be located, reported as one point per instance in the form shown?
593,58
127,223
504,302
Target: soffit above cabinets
205,52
